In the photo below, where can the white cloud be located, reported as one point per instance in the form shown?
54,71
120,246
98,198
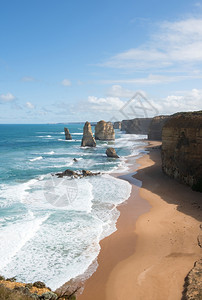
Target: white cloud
66,82
179,101
30,105
177,42
153,79
28,79
7,98
119,91
198,5
105,104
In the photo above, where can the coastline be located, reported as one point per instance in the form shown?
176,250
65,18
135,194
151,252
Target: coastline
155,244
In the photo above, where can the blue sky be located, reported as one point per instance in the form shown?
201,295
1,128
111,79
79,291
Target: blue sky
67,61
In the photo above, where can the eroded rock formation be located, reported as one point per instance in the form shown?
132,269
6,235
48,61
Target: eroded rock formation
67,134
10,289
182,148
193,283
155,128
111,152
104,131
74,174
88,139
117,125
136,126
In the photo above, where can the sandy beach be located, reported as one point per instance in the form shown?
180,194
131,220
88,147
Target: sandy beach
155,244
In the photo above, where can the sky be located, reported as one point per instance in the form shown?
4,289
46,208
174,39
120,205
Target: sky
75,60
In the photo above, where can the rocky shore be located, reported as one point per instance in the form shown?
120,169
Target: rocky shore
12,290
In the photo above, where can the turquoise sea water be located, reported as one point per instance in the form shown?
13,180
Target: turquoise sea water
50,227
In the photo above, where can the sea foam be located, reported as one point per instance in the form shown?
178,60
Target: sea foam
63,244
54,225
36,158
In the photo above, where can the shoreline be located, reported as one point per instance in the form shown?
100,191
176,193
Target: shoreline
155,244
130,210
137,208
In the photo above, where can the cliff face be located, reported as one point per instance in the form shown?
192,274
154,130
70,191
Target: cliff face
88,139
117,125
136,126
104,131
182,148
155,128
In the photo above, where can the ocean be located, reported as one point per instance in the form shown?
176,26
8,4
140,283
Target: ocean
50,227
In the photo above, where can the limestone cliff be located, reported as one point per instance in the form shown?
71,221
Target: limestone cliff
136,126
117,125
88,139
155,128
104,131
182,148
67,134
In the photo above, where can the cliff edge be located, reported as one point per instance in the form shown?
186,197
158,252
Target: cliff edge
156,126
182,148
136,126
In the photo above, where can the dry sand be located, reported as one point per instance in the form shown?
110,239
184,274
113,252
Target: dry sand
155,244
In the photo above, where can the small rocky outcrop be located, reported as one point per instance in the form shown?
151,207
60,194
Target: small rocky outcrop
136,126
193,283
48,296
88,139
25,291
104,131
111,152
156,126
39,284
67,172
89,173
71,173
12,279
182,148
67,134
117,125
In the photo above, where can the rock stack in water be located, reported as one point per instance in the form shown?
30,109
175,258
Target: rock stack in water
88,139
111,152
117,125
104,131
67,134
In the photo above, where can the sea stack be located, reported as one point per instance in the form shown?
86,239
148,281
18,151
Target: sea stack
88,139
117,125
104,131
182,148
67,134
111,152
